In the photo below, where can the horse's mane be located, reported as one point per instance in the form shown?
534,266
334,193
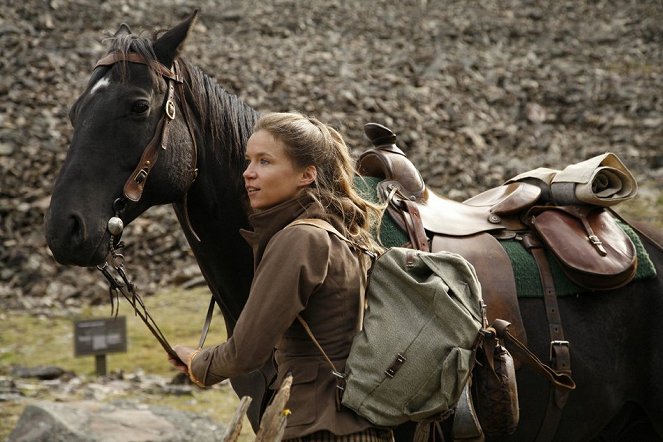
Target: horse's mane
228,120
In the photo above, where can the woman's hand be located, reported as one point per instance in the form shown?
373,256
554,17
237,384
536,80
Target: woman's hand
185,354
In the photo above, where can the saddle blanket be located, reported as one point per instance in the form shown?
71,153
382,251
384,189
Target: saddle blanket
528,283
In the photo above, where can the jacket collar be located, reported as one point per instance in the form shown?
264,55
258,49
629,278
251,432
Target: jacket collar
267,222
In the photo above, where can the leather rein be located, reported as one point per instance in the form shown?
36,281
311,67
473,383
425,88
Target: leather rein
113,269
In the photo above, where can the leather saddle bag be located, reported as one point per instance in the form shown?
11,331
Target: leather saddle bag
594,252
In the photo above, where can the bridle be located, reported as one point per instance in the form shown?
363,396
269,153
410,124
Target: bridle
133,191
133,187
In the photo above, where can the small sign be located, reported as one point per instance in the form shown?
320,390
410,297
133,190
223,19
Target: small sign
100,336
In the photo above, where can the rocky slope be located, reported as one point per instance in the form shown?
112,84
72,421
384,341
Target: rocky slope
478,91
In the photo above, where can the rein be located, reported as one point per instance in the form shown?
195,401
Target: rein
122,284
115,271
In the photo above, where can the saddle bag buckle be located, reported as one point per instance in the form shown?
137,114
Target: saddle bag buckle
597,243
556,344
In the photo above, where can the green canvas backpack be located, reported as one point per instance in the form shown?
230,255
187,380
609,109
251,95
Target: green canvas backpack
415,352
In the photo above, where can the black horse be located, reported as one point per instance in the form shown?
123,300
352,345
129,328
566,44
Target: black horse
615,335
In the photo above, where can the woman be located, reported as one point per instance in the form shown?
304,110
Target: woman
298,167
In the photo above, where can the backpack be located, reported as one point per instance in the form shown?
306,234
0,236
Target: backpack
416,350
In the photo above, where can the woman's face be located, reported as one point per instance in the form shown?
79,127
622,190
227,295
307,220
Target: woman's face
271,177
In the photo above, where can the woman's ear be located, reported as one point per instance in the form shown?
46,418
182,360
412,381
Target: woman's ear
309,175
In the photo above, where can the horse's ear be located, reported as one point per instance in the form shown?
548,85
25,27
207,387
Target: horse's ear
168,46
124,29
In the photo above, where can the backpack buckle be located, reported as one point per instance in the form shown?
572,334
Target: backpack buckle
338,374
395,366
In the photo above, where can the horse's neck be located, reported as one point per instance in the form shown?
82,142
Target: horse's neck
211,224
215,212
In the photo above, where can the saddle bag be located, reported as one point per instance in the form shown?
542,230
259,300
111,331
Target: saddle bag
591,248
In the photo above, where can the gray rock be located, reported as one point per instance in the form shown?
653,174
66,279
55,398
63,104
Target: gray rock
89,421
39,372
460,83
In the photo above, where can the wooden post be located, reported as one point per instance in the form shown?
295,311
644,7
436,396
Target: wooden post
235,427
100,364
272,424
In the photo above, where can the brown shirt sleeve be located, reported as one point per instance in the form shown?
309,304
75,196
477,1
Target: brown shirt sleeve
293,267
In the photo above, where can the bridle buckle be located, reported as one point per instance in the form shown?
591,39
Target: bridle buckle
170,109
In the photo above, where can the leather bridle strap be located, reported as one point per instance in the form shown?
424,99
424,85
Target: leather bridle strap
135,184
134,57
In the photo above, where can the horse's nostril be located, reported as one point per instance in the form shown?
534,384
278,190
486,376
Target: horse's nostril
77,228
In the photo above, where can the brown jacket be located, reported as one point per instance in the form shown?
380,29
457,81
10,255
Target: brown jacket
298,270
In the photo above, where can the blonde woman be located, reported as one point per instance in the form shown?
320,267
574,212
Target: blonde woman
298,167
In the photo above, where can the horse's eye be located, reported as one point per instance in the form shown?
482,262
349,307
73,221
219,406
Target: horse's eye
140,107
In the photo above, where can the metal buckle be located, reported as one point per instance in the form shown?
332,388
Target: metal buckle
557,343
597,243
170,109
338,374
395,366
141,175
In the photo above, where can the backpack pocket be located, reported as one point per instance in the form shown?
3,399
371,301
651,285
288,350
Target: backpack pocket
441,391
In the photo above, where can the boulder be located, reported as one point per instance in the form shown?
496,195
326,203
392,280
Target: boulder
88,421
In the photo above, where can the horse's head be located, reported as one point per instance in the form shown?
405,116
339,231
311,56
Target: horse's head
131,147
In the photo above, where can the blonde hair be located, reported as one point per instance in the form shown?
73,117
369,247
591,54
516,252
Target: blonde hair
309,142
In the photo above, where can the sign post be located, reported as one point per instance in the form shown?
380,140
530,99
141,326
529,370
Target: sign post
99,337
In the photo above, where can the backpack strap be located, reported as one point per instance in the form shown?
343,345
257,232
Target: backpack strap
340,377
335,372
325,225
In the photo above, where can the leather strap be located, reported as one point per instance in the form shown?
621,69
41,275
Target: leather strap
208,321
340,377
128,290
194,158
304,324
134,186
560,357
324,225
133,57
558,379
415,227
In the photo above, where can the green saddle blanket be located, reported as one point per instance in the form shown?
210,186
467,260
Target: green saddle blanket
528,283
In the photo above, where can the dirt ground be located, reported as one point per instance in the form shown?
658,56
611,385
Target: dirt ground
478,91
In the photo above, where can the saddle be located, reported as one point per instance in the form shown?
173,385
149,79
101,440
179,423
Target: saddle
601,256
